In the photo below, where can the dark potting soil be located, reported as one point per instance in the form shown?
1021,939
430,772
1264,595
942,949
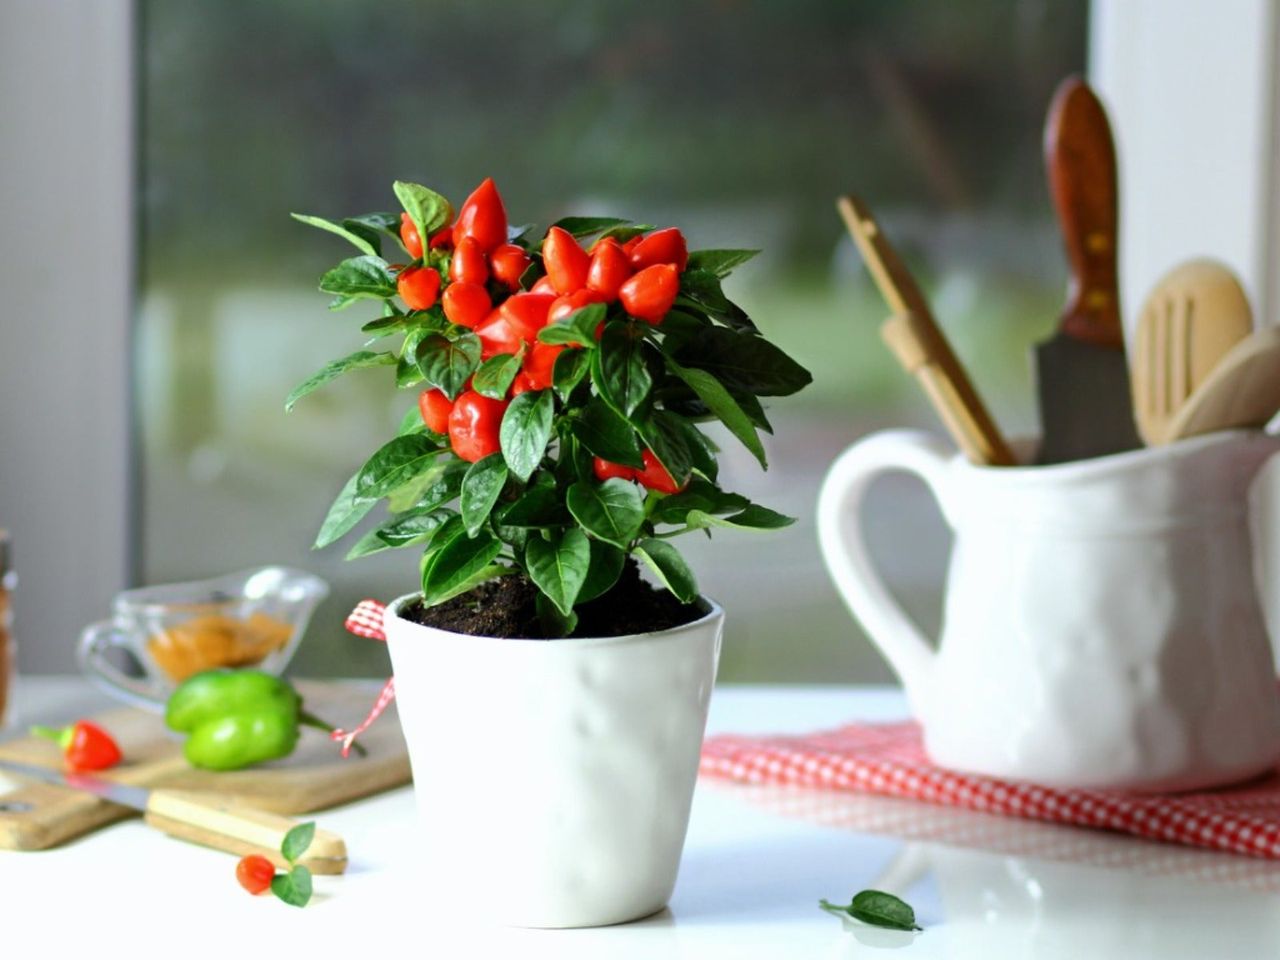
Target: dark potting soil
506,608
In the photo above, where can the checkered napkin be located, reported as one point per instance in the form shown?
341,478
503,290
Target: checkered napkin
889,759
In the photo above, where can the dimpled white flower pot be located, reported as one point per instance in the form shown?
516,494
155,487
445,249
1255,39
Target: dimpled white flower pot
553,778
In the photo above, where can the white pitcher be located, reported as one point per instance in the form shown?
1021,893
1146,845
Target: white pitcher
1102,622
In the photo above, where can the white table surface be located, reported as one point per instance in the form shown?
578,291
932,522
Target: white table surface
755,864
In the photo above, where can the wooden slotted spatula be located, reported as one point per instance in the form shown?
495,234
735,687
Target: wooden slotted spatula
1082,380
920,346
1242,391
1195,314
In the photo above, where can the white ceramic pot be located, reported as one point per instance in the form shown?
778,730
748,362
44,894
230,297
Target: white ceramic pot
1102,625
554,778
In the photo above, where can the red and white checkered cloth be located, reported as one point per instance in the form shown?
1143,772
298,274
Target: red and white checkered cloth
889,759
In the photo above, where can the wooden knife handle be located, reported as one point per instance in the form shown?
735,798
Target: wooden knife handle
1080,159
211,822
920,346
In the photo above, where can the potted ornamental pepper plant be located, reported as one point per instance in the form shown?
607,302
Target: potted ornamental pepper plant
553,698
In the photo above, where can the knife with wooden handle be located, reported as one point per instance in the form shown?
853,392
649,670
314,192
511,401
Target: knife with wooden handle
1081,374
920,346
200,818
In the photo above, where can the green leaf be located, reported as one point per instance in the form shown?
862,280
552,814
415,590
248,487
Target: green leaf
743,362
538,507
670,568
718,400
396,463
367,545
419,491
456,563
294,887
360,277
569,369
335,369
407,373
494,377
481,487
427,209
719,262
384,326
347,510
607,435
446,363
417,526
360,240
612,511
665,435
374,226
525,430
586,226
577,329
411,422
606,566
702,452
554,622
297,840
559,567
878,909
699,495
618,368
754,517
623,233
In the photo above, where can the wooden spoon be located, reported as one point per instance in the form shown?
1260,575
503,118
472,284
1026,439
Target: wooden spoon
1195,314
1242,391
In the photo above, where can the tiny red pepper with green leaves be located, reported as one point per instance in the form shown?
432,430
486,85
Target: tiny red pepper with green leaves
85,746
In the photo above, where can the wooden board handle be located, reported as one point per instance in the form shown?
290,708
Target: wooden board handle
920,346
212,822
1080,160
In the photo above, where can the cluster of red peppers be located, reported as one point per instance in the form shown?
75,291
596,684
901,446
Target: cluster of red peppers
480,289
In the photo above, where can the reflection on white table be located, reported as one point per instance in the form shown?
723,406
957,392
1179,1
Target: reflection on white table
756,863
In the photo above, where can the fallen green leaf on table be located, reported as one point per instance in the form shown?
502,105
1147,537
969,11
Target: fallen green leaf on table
294,887
878,909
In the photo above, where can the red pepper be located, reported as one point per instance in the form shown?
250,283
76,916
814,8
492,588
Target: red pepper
539,363
508,263
655,476
473,426
526,313
610,269
482,218
651,292
409,237
468,264
566,262
435,408
85,746
496,336
418,287
466,304
661,246
255,873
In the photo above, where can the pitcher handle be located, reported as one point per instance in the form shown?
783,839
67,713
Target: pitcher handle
840,535
95,641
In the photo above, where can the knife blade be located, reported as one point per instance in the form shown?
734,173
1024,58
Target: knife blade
1082,378
198,817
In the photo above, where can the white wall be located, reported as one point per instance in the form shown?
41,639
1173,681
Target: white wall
66,270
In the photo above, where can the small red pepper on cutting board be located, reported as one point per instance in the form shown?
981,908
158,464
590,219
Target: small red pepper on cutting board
85,746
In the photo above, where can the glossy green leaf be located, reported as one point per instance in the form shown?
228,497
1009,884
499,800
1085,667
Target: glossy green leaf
481,487
525,431
586,226
618,367
719,262
360,277
607,435
294,887
446,363
670,568
297,840
427,209
554,622
558,567
754,517
358,238
718,400
877,908
568,370
347,510
374,226
743,362
335,368
396,463
493,378
577,329
665,435
612,511
603,572
537,507
700,495
456,563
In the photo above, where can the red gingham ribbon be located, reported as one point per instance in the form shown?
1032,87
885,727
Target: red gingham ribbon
366,621
889,759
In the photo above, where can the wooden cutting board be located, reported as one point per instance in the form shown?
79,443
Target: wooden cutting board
38,816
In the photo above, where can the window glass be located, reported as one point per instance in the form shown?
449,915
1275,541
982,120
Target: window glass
738,121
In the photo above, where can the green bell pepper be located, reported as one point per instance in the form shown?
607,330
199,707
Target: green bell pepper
236,718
